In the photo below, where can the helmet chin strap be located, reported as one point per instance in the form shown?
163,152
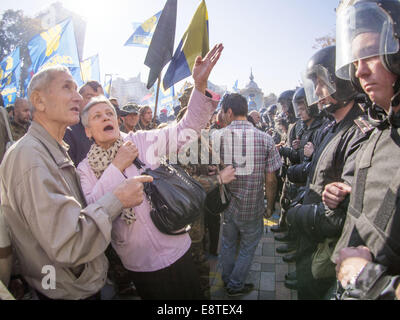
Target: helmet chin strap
332,108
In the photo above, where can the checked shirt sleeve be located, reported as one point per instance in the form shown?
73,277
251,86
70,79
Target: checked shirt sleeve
274,161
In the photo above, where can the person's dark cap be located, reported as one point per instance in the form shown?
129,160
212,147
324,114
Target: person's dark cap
129,109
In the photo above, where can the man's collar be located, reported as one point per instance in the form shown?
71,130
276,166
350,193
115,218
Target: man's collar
58,152
241,122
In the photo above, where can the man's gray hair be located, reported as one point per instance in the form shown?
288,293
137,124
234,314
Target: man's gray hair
94,101
43,78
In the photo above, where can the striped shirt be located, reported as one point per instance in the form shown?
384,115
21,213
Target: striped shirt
252,152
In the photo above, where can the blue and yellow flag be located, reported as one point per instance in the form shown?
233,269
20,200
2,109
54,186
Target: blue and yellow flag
195,42
142,35
107,86
235,86
56,45
10,73
90,69
165,98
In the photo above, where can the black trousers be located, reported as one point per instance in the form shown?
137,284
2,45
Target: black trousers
179,281
212,224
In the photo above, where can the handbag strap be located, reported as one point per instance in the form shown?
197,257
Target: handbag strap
138,164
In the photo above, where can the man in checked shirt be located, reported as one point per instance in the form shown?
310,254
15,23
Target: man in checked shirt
253,154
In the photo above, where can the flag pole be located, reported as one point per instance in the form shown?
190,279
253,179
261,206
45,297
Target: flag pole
156,105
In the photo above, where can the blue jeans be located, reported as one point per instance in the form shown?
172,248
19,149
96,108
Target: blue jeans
236,268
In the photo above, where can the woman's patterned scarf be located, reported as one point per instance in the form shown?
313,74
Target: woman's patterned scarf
99,160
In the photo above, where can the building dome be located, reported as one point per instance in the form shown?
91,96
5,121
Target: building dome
253,94
252,84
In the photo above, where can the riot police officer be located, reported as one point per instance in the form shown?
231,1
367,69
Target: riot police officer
311,121
368,252
289,190
338,145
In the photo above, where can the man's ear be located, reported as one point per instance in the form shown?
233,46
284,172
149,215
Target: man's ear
230,113
37,101
88,132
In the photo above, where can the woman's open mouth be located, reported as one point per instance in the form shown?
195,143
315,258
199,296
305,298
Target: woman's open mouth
109,128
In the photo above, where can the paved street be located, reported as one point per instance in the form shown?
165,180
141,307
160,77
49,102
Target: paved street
267,272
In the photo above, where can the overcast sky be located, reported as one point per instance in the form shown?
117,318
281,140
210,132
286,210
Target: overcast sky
275,38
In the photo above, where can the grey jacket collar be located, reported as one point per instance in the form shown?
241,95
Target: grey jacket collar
58,152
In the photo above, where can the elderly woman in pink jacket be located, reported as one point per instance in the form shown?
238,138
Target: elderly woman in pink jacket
161,265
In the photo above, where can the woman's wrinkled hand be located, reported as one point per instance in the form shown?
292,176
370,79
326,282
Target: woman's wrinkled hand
203,66
125,155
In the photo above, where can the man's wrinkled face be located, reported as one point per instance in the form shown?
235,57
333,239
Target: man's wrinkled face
60,100
375,79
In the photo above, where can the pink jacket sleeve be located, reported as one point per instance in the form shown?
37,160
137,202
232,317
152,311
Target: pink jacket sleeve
93,188
154,144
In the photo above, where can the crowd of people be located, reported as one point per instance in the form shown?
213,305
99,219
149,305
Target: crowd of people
73,200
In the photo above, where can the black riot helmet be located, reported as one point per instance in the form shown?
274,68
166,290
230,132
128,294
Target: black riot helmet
272,109
381,20
381,17
320,81
286,105
300,99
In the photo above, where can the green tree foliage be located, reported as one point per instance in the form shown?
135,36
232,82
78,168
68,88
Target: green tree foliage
16,29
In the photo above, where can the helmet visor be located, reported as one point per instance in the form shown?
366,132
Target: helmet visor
318,84
299,106
363,30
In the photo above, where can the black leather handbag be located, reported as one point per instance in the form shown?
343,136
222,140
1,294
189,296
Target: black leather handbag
177,199
218,199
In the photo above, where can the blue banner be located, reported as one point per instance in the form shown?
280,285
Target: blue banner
143,34
166,99
235,87
107,86
195,42
54,46
90,69
10,74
